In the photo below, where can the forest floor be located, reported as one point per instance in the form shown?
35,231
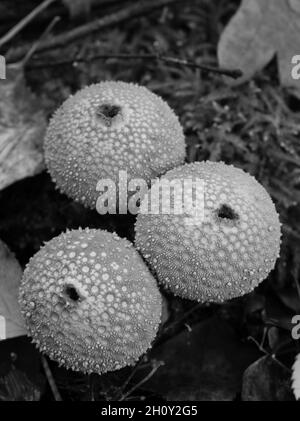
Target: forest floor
255,127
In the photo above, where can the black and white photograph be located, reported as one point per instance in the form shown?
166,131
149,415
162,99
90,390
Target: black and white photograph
149,204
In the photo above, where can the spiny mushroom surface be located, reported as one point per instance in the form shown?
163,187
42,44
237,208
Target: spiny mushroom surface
225,252
89,301
108,127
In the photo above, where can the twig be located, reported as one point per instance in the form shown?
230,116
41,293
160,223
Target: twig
50,379
37,43
268,354
91,380
184,316
289,231
132,11
234,73
144,380
25,21
131,375
11,15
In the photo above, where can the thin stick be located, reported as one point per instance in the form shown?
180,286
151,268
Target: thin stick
46,32
140,8
25,21
233,73
131,375
58,9
272,356
50,379
144,380
183,317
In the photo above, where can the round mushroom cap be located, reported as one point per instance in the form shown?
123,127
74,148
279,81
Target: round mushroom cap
90,302
223,243
110,127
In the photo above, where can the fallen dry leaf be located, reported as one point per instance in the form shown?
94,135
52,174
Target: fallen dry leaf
258,31
266,380
11,322
22,128
203,363
296,377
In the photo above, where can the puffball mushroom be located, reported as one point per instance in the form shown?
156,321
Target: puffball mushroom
89,301
223,254
109,127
